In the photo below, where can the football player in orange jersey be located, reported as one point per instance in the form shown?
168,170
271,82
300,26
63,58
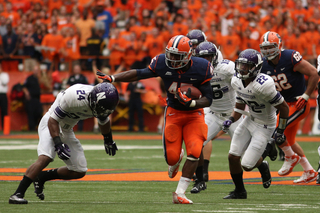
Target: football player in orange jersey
184,117
287,68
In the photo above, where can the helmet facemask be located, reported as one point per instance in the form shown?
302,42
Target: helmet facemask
177,59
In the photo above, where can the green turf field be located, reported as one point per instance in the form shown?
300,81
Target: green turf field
149,196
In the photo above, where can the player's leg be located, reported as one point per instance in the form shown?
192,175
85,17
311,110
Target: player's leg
194,133
239,143
36,168
252,157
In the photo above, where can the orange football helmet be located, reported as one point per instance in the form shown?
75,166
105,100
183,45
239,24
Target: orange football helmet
178,52
270,45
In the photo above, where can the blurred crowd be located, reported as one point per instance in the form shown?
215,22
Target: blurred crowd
116,35
131,32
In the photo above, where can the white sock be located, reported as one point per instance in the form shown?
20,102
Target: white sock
305,164
183,185
287,151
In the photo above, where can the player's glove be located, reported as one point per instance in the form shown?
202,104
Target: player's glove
104,77
109,145
279,137
302,101
61,148
62,151
185,99
227,123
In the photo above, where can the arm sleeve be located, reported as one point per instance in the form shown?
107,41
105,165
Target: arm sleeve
145,73
206,90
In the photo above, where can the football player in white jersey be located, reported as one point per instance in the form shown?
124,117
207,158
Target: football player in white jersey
258,92
223,102
56,135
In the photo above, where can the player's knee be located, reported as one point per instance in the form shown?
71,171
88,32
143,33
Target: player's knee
247,166
204,131
172,133
173,157
192,158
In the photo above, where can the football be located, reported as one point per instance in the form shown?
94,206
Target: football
195,92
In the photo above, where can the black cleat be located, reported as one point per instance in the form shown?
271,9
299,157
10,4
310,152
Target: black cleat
318,178
17,199
198,186
265,174
236,195
273,153
205,177
38,188
194,178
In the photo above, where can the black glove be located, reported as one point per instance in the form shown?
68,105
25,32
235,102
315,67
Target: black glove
109,145
279,137
62,151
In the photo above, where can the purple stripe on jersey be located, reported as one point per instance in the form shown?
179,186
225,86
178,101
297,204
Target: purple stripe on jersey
276,98
59,113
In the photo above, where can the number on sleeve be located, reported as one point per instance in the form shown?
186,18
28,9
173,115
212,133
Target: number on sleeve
297,56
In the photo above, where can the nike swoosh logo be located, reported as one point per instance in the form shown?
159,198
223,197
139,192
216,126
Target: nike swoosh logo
193,79
282,68
170,114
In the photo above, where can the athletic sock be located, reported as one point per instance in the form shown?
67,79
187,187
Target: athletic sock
24,185
199,173
183,185
238,182
206,166
287,151
48,175
305,164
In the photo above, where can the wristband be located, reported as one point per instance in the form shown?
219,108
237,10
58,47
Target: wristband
108,136
112,77
231,119
57,140
193,103
305,96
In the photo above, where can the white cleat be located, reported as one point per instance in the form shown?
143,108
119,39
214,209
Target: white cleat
289,164
173,170
307,177
180,199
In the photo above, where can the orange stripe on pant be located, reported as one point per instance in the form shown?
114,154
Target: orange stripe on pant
293,121
187,126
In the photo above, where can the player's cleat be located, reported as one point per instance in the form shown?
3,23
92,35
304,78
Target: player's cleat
180,199
38,188
265,174
198,186
236,195
173,170
273,153
307,177
288,164
318,178
205,176
17,199
194,178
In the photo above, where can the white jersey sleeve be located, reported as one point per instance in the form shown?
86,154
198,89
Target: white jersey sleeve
223,93
71,106
220,56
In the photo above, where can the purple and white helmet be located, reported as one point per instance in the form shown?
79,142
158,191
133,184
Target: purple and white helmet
206,49
196,36
248,64
103,99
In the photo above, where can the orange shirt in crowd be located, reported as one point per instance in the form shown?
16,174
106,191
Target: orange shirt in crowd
229,44
317,43
84,27
14,16
248,43
53,41
71,46
154,45
54,4
21,4
180,29
116,56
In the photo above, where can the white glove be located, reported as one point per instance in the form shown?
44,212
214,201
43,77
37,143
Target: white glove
318,67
